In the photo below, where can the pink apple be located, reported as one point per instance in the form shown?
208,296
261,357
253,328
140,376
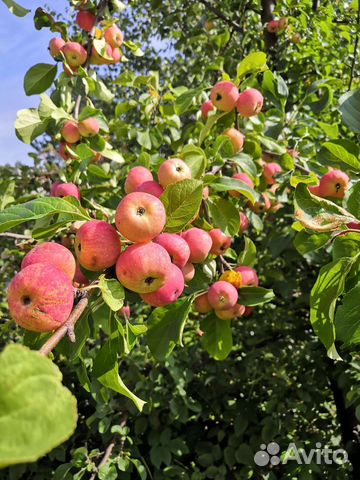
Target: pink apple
249,276
97,245
140,217
201,304
70,71
55,46
244,222
65,190
70,132
222,295
333,184
237,138
230,313
114,36
172,171
143,268
224,96
40,297
283,23
220,241
169,292
250,102
199,242
136,177
270,170
248,311
243,177
353,225
79,277
207,107
89,127
151,187
176,246
86,20
188,271
273,26
74,53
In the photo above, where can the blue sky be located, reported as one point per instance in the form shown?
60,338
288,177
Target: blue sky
21,46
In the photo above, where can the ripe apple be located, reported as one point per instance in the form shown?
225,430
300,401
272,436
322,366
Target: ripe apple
224,96
55,46
201,304
144,267
188,271
334,184
114,36
236,137
250,102
206,107
173,170
151,187
220,241
140,217
273,26
249,276
70,132
222,295
236,311
169,292
176,246
70,71
136,177
89,127
79,277
40,297
74,53
86,20
199,242
244,222
243,177
97,245
283,23
65,190
271,169
51,253
248,311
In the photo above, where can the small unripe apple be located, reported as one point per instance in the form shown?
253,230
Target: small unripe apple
74,53
199,242
250,102
249,276
201,304
114,36
222,295
89,127
143,268
70,132
65,190
136,177
97,245
209,25
188,271
86,20
40,297
236,137
271,169
206,107
296,38
151,187
55,46
220,241
283,23
236,311
273,26
243,177
169,292
140,217
173,170
244,222
176,246
224,96
51,253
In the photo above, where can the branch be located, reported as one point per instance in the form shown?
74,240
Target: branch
77,107
67,328
302,169
356,44
16,235
219,14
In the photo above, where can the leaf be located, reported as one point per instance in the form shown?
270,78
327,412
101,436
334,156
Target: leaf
252,63
322,100
271,146
248,255
41,208
195,159
16,9
37,412
212,119
309,242
225,216
39,78
317,213
352,202
182,201
252,296
341,151
223,184
112,292
217,338
29,125
143,138
186,100
350,108
324,294
347,318
165,327
47,107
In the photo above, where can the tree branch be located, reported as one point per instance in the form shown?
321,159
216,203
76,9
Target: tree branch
67,328
356,44
16,235
223,17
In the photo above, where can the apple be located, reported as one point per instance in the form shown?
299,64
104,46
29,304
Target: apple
65,190
271,169
333,184
200,244
151,187
205,194
51,253
224,96
55,46
237,138
70,71
70,132
232,277
125,311
114,36
283,23
173,170
296,38
207,107
236,311
220,241
243,177
97,245
136,177
40,297
273,26
201,304
222,295
86,20
188,271
63,150
249,276
250,102
169,292
79,277
89,127
176,246
140,217
262,205
75,54
248,311
144,267
244,222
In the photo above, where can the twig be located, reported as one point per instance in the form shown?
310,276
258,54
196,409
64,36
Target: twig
343,232
224,262
355,48
302,169
16,235
67,328
77,107
219,14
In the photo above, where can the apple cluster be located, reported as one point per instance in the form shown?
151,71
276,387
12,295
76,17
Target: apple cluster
276,26
73,131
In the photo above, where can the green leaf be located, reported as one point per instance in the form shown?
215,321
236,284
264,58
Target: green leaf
223,184
16,9
212,119
68,207
225,216
195,159
39,78
317,213
143,138
112,292
29,125
309,242
347,318
352,202
182,201
252,63
347,245
252,296
185,101
165,327
341,151
350,108
270,145
248,255
217,338
328,287
318,102
37,412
